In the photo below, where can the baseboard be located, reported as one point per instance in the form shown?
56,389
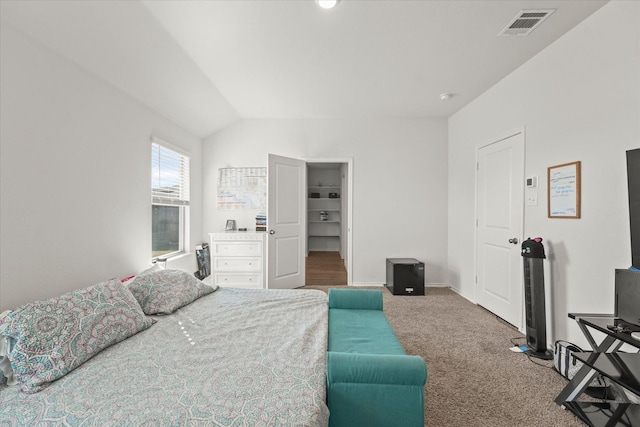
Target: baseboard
462,295
427,285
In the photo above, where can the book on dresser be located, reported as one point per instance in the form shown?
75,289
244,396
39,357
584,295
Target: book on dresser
261,222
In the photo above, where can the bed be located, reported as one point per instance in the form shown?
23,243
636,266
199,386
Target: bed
233,357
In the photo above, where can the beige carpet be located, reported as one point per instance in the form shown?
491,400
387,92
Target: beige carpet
473,377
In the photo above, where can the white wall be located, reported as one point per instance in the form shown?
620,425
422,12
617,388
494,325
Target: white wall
399,182
74,175
579,100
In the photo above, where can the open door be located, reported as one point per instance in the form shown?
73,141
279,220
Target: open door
286,223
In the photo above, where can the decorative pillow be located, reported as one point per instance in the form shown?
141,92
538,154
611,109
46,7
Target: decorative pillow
153,268
48,339
6,372
165,291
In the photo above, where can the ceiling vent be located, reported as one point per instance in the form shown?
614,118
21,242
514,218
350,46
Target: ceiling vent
525,22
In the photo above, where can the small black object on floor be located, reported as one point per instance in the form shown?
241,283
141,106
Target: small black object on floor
405,276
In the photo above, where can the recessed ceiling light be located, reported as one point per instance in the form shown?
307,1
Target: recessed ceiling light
327,4
445,96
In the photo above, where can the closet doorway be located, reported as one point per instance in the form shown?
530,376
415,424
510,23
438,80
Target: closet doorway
328,222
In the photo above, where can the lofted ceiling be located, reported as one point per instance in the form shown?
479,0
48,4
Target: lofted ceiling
206,64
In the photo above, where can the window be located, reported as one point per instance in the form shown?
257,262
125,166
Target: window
169,199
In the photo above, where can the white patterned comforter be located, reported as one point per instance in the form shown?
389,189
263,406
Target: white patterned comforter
233,358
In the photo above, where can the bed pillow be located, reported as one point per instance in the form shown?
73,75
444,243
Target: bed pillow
165,291
48,339
6,372
154,267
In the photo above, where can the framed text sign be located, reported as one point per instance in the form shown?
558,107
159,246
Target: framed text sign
563,191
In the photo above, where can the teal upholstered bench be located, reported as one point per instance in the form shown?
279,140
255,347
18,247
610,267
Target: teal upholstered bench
370,380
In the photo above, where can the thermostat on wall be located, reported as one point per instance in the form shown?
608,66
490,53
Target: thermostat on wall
532,182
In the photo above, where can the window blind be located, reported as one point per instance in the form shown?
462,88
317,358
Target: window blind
169,176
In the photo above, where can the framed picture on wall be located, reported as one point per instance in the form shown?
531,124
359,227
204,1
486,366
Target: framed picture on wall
563,190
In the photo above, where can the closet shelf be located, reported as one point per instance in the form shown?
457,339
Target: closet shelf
324,201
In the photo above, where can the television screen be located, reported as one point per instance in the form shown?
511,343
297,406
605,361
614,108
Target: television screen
633,176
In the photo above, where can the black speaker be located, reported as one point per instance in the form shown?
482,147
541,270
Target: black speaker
633,179
627,303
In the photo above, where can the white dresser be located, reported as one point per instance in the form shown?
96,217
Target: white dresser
237,259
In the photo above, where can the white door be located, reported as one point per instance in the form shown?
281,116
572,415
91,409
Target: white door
286,223
500,192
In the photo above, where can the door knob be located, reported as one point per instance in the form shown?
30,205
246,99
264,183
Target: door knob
514,240
272,232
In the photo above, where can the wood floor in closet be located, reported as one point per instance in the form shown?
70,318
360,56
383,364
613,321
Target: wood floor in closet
325,269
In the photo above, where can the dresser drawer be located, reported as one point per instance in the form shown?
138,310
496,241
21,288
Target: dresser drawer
237,264
237,249
237,259
238,280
